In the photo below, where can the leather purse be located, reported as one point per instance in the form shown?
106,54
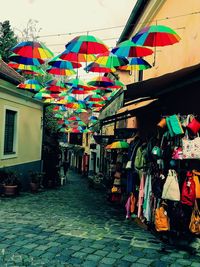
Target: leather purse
195,220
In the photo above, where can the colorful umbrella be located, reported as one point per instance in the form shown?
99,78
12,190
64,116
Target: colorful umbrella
31,84
118,145
135,64
95,67
26,60
32,49
41,95
56,62
80,110
26,68
130,49
74,118
78,83
111,60
78,91
76,57
93,118
156,35
101,82
56,83
117,85
95,98
86,44
60,72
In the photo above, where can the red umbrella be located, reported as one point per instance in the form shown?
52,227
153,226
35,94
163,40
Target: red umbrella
32,49
86,44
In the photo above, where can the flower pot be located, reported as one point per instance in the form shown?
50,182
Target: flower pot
10,190
34,187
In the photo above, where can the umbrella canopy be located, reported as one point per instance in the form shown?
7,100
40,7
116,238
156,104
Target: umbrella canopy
156,35
118,145
78,91
95,67
60,72
26,60
32,49
95,98
136,64
80,110
56,83
74,118
26,68
101,82
63,64
86,44
117,85
93,118
78,83
76,57
111,60
31,84
130,49
41,95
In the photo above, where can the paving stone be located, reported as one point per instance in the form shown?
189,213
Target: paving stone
88,263
130,258
94,257
101,252
108,260
145,261
88,250
79,255
184,262
115,255
195,264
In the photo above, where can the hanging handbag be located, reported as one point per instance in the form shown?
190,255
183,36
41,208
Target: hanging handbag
194,125
191,147
196,177
174,125
162,123
195,220
161,220
171,189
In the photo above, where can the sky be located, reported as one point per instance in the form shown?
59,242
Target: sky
68,16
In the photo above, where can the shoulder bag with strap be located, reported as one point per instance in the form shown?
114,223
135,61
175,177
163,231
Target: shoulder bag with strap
171,189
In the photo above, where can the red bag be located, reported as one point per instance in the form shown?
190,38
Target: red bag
188,194
194,126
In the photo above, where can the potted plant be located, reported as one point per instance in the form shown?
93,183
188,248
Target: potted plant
35,181
11,184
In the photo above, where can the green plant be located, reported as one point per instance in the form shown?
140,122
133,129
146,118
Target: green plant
36,177
11,178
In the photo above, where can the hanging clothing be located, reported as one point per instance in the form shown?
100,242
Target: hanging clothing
147,198
141,195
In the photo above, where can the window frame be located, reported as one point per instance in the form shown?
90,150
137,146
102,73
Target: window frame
15,138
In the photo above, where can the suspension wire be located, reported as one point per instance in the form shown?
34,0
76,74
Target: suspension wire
114,27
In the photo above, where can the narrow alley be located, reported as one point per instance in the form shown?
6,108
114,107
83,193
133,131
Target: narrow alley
75,226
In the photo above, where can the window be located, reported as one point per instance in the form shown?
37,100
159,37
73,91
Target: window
10,132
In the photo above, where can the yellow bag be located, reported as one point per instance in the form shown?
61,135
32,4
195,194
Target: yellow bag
197,182
161,220
195,221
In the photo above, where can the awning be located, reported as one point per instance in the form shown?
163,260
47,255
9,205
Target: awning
176,92
164,84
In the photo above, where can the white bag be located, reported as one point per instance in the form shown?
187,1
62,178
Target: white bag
129,164
171,189
191,148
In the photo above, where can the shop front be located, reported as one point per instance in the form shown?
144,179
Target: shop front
163,179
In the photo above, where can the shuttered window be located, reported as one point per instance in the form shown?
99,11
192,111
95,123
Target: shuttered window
9,132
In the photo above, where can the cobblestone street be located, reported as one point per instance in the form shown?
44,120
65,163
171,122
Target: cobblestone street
75,226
